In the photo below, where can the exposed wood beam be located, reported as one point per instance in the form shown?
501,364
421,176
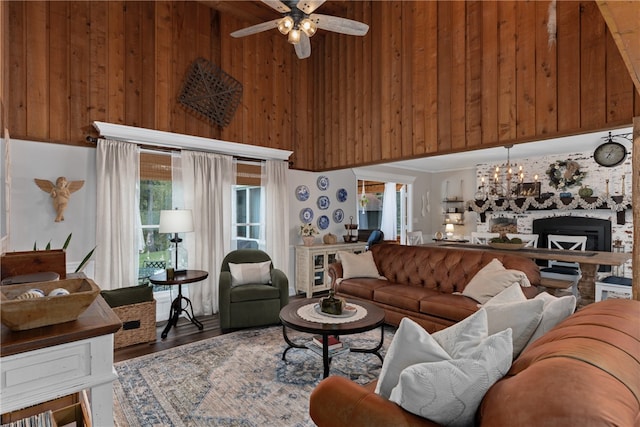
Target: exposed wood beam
623,20
253,12
635,188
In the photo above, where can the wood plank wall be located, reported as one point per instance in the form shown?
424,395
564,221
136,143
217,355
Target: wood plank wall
454,76
430,77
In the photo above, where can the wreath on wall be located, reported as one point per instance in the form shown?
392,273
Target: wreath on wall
565,173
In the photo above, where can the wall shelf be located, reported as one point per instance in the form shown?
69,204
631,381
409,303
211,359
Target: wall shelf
453,210
619,204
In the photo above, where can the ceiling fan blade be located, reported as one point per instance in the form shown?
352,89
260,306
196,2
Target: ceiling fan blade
308,6
277,5
256,28
303,47
339,25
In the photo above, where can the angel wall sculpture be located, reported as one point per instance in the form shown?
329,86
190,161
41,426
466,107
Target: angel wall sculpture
60,193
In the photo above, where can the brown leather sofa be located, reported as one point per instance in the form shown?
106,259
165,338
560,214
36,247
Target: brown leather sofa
421,281
583,372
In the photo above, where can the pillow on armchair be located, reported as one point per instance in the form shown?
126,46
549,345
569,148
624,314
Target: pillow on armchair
250,273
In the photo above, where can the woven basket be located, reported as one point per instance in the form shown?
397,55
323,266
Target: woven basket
138,324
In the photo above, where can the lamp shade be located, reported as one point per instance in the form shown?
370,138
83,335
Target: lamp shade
449,227
176,221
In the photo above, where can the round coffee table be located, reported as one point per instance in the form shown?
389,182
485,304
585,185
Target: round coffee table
291,319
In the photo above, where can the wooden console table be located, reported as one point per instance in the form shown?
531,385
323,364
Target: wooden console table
45,363
588,260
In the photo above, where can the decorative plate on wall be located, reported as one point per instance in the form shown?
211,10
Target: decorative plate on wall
323,222
338,215
323,182
341,195
323,202
302,193
306,215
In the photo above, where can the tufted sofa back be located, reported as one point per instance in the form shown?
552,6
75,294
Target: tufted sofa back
444,269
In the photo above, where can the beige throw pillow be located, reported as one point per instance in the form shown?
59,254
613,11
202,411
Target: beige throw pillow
491,280
250,273
358,265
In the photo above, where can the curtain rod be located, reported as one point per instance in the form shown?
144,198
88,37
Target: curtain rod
94,140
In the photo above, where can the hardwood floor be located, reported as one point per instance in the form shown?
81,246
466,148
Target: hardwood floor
186,332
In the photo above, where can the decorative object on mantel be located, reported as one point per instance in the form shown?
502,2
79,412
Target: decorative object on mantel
60,193
565,173
308,232
617,204
585,191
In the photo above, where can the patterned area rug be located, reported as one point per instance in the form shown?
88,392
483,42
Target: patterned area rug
237,379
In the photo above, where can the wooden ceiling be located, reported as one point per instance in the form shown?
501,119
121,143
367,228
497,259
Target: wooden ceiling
254,12
622,18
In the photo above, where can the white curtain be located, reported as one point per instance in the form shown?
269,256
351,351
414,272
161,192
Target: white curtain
118,228
207,185
277,213
389,222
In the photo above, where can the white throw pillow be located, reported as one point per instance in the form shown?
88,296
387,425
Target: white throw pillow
464,336
450,391
250,273
491,280
411,344
358,265
555,310
511,309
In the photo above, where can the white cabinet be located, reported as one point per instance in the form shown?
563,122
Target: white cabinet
312,263
46,363
606,290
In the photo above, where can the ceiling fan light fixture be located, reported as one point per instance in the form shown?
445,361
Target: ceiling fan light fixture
308,26
294,36
285,25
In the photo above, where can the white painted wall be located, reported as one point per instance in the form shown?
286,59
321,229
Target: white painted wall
337,179
32,212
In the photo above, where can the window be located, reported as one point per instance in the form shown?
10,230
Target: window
248,219
155,195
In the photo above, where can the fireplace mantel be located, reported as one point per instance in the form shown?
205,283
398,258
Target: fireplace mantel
617,204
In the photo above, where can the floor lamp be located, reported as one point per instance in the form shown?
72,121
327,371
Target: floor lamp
177,221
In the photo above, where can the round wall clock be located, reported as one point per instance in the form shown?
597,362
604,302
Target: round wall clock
610,154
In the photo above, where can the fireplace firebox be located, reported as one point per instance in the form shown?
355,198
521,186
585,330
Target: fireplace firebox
598,232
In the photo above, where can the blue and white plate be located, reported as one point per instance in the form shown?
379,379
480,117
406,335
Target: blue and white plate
302,193
323,222
323,202
306,215
323,182
341,195
338,215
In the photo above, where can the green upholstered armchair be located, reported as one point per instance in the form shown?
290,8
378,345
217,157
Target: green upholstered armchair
253,304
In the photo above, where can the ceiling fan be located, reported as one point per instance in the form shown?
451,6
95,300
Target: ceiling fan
299,23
